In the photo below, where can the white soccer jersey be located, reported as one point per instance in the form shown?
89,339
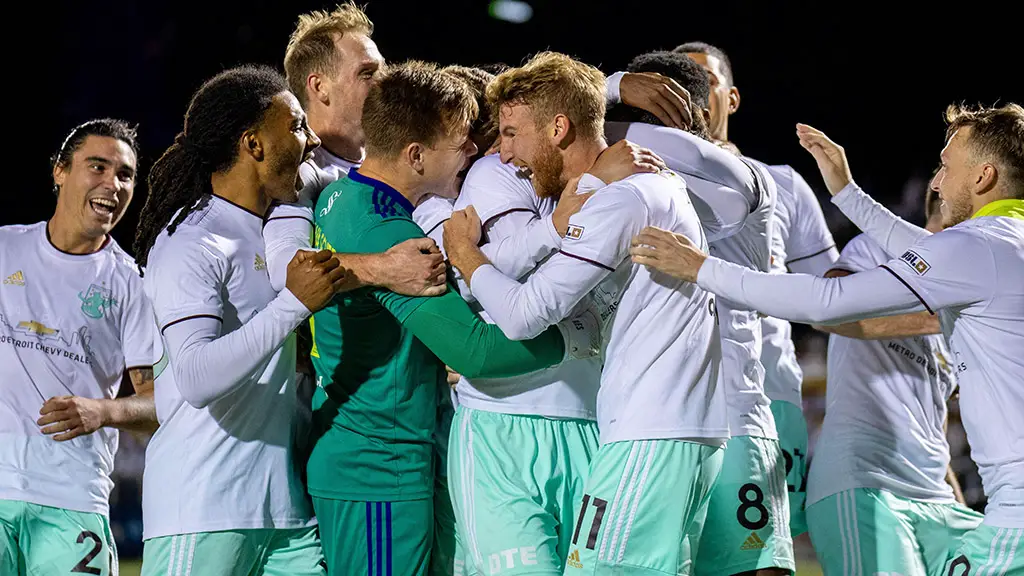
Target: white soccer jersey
742,375
69,325
801,235
231,464
886,409
289,227
662,348
519,235
431,215
970,273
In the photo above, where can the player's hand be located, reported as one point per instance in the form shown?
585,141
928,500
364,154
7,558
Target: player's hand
461,230
453,377
659,95
71,416
569,203
415,268
831,157
623,159
314,278
667,252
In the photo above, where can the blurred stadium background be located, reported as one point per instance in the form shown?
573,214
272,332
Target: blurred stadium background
875,77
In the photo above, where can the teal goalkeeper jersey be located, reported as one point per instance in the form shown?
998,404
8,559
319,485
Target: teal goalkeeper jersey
380,356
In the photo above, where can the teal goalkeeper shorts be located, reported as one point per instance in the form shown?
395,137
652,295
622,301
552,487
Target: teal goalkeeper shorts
869,531
256,552
514,481
376,538
988,550
792,428
38,539
747,526
644,508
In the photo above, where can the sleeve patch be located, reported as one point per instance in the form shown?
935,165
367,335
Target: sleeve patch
574,232
914,260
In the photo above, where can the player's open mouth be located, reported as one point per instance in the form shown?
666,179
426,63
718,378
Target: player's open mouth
103,206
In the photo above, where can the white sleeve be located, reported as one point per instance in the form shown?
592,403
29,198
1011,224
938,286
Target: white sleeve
860,253
893,233
612,95
810,247
810,299
599,240
139,337
951,268
518,241
208,365
287,230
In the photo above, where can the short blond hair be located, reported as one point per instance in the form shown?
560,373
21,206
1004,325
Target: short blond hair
311,47
997,133
552,83
415,102
485,126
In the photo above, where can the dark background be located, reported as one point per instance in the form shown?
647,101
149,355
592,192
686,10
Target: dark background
875,77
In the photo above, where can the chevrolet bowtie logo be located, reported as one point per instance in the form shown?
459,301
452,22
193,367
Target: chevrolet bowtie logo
37,328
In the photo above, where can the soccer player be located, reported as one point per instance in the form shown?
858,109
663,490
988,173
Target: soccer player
73,320
747,527
970,273
801,242
379,356
662,419
879,479
221,491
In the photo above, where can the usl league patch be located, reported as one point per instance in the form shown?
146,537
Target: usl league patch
574,232
915,261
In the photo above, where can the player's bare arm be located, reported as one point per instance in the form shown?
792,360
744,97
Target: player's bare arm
886,327
68,417
413,268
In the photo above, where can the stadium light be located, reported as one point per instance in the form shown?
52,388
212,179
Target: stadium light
513,11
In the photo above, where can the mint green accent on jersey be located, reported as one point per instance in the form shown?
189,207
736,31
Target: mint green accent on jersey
376,538
747,526
96,301
792,429
515,481
380,358
643,509
988,551
869,531
38,539
261,552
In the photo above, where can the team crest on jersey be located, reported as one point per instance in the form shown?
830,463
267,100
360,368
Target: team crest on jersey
574,232
914,260
96,301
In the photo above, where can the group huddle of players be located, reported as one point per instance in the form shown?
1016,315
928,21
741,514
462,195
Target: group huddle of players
419,320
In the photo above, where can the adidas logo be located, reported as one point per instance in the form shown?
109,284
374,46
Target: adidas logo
574,559
259,263
17,279
753,542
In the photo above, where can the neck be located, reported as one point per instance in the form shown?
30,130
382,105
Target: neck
67,237
980,201
388,173
344,146
240,185
579,158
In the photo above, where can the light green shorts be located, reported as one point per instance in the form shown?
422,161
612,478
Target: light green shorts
792,428
258,552
870,531
988,550
643,509
376,538
514,481
38,539
747,527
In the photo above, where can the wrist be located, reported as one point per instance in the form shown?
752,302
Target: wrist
107,410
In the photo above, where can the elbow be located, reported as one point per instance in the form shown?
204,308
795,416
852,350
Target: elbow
191,391
197,401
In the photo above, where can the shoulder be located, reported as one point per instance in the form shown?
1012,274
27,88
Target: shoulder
19,232
432,212
492,187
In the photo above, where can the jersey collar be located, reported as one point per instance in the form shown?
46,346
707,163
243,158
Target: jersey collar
394,195
1009,208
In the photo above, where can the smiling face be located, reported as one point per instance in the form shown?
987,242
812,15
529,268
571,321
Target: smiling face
956,179
96,185
288,141
527,147
445,161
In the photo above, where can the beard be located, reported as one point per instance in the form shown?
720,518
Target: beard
958,208
548,181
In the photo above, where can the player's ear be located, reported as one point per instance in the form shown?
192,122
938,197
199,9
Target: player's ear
985,178
251,145
413,156
318,87
706,114
734,99
562,132
59,175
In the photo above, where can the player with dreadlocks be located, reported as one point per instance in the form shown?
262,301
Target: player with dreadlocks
221,488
